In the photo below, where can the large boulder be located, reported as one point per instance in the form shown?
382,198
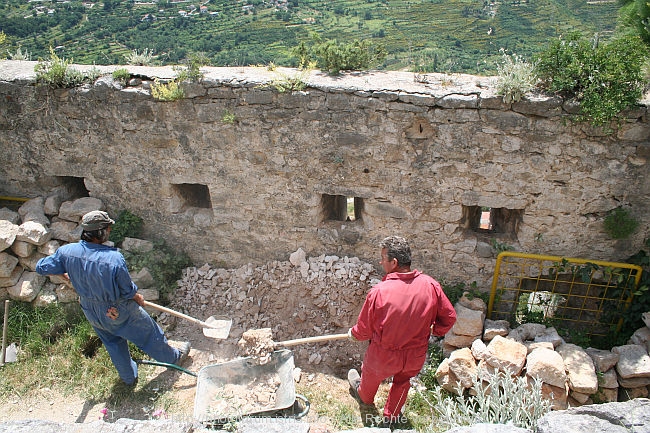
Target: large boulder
626,417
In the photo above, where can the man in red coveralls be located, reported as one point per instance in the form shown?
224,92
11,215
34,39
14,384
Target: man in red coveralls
398,316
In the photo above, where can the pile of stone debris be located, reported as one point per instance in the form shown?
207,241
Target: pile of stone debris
301,297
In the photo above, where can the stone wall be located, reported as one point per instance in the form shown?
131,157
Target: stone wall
239,172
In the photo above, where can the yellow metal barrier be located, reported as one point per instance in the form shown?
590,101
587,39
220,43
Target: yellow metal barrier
586,295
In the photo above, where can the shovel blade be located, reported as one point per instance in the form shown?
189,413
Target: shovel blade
219,328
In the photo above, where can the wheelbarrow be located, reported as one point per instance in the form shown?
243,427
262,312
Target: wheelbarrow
214,406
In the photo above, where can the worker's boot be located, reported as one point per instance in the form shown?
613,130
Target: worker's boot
184,351
354,380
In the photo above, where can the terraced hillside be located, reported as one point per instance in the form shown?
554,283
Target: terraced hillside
426,35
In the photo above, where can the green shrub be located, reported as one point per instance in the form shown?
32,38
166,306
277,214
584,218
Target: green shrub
169,91
604,77
516,77
57,73
122,76
192,71
619,224
19,55
228,117
126,225
455,291
290,83
164,263
334,57
502,399
145,58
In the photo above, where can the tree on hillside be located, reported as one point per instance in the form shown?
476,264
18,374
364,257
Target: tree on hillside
636,15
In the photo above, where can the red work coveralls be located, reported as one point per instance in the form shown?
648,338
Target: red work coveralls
398,316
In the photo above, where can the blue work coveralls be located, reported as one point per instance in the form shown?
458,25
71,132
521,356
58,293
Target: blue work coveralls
101,278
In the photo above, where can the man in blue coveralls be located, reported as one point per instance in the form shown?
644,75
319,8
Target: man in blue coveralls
109,297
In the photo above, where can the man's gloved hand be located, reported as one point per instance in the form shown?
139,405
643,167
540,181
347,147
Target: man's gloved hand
350,336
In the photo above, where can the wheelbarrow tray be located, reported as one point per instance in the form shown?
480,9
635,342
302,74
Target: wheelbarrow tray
208,402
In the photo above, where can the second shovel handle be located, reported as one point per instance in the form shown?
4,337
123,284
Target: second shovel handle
312,339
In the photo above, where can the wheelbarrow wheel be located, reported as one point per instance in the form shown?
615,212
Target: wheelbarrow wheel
300,407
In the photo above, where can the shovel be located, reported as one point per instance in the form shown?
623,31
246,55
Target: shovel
212,327
306,340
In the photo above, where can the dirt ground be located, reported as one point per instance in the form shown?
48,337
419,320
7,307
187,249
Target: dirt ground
331,407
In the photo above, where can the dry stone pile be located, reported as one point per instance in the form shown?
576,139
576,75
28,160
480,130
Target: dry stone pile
301,297
571,376
36,230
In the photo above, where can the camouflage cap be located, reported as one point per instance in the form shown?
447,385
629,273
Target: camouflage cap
96,220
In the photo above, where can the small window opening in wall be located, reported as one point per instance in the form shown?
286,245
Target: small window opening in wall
74,186
341,208
193,195
485,219
485,222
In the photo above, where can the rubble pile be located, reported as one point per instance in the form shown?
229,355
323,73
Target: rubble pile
301,297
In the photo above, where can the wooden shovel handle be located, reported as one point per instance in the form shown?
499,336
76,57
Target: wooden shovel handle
312,339
177,314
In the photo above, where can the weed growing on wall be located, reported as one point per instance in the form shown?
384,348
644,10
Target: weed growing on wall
164,263
228,117
127,225
619,224
20,55
57,72
166,91
604,77
122,76
192,70
284,83
516,77
172,90
144,58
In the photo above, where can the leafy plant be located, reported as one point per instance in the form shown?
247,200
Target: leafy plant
192,71
333,56
632,319
290,83
516,77
19,55
636,15
57,73
455,291
604,77
167,91
144,58
619,224
228,117
172,90
499,246
126,225
164,263
122,75
501,399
